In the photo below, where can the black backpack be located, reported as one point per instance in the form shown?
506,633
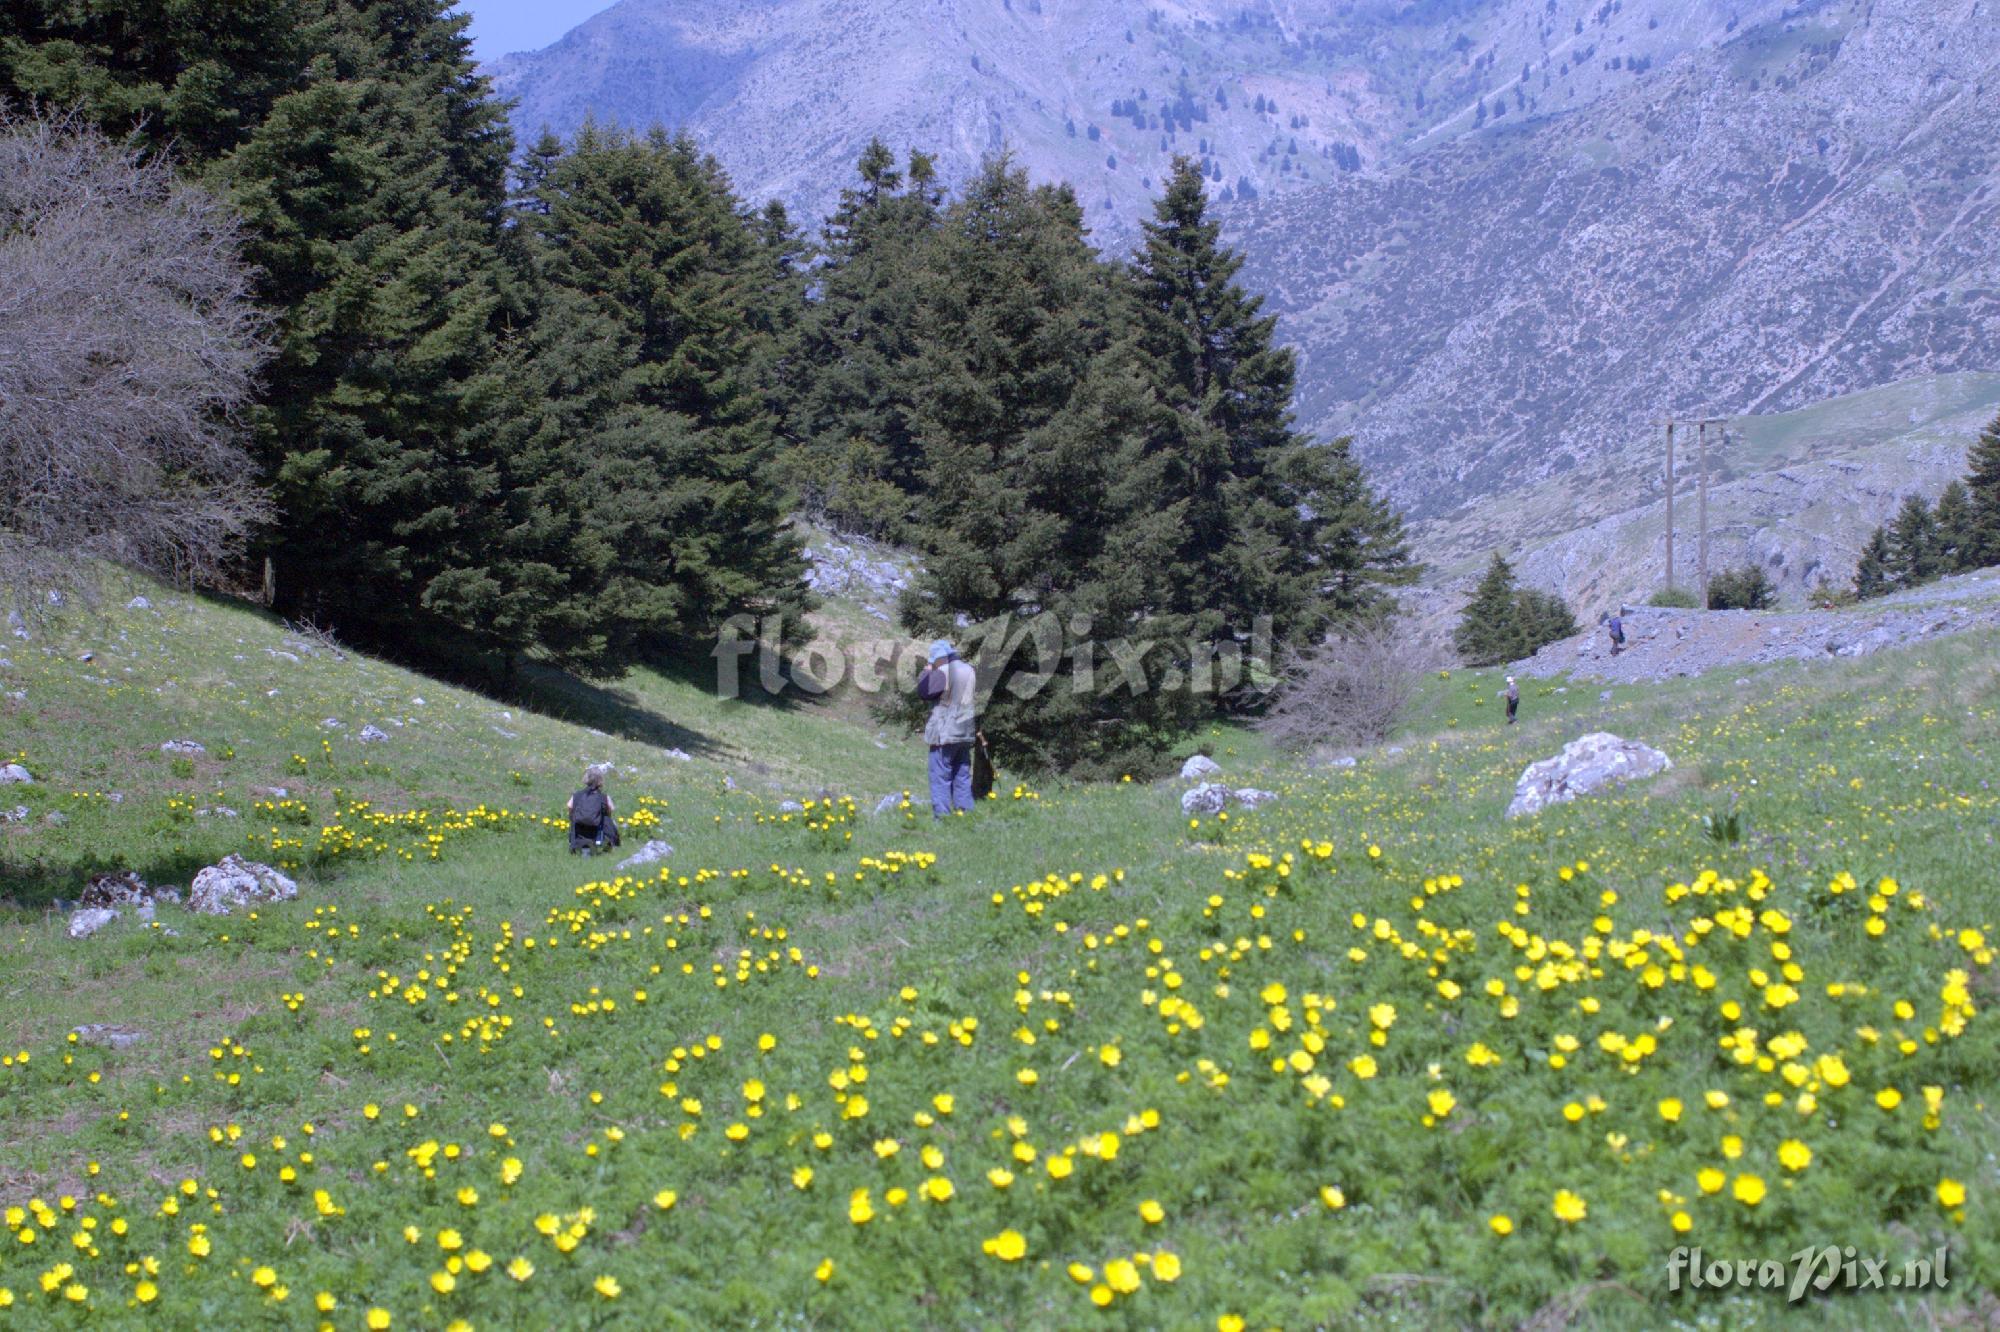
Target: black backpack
587,808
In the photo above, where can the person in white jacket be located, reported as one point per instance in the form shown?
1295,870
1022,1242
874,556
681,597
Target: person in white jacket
949,685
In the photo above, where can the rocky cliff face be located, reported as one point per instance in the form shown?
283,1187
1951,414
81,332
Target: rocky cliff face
1803,211
1273,97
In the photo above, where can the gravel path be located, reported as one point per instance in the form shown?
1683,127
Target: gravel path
1664,644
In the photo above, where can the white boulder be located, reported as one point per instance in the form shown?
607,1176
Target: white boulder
1208,798
235,882
13,773
1198,767
1586,765
89,921
650,854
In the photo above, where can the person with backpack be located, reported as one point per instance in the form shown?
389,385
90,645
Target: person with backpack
591,826
1617,628
1513,696
949,685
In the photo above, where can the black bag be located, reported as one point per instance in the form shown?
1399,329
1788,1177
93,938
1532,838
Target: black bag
982,770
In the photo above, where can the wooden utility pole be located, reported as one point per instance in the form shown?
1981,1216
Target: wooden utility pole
1670,506
1701,425
1701,435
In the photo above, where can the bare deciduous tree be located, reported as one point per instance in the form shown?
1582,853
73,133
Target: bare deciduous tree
1348,691
128,342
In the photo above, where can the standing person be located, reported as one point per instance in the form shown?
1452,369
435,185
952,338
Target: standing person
948,684
1513,697
591,827
1617,628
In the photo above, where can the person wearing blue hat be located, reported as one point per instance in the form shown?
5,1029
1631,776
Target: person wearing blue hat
949,685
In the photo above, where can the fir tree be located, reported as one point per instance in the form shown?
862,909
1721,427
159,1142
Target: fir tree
1042,506
1954,528
1873,574
855,460
374,192
1276,525
656,285
1913,543
1485,634
1982,540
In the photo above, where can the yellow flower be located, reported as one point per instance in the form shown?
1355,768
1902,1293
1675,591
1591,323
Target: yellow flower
1670,1110
1151,1212
1748,1190
1569,1207
608,1286
824,1272
665,1199
1332,1197
1794,1155
1950,1193
860,1208
520,1269
1121,1275
1008,1246
1711,1180
1501,1224
443,1282
1166,1267
1888,1098
378,1320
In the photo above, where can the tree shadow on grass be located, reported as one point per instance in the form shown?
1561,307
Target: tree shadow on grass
39,885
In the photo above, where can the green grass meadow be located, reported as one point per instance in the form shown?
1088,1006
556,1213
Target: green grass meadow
1371,1055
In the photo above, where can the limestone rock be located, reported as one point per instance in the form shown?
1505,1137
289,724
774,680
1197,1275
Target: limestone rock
652,853
372,735
115,889
1198,767
1250,797
89,921
107,1035
1207,798
184,748
13,773
1586,765
235,882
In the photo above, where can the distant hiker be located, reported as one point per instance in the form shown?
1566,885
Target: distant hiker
1513,697
948,684
1617,627
591,827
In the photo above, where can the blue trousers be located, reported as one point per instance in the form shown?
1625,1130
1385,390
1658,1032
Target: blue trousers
951,779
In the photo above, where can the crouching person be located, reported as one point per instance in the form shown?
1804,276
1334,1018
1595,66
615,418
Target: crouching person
949,685
591,826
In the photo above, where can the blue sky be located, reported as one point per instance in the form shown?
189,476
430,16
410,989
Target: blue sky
503,26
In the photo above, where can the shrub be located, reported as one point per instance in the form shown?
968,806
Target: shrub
1674,598
1745,588
1350,690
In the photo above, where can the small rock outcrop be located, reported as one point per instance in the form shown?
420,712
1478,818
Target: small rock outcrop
108,1035
1586,765
1208,798
235,882
372,735
652,853
12,774
89,921
115,889
1250,797
184,748
1198,767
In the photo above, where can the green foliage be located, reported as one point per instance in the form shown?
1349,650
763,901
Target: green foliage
1675,598
1506,622
650,422
1981,529
1874,573
1744,588
857,462
1275,524
1954,528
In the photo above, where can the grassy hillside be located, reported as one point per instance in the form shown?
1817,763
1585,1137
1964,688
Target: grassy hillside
1371,1053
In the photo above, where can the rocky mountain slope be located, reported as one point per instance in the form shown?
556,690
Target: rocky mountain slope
1273,95
1805,210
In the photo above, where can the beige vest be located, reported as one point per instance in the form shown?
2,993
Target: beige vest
954,717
